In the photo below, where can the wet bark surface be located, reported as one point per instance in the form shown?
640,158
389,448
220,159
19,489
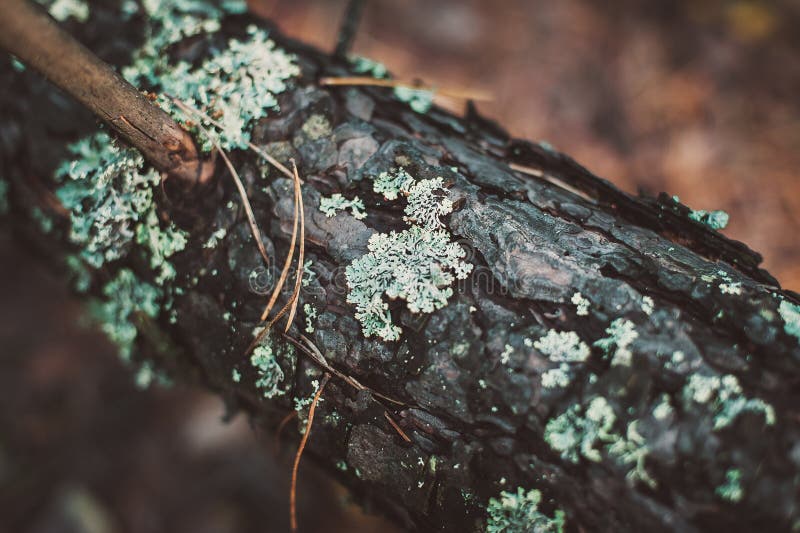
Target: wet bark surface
467,378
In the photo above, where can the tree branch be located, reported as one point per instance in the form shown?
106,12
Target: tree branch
33,37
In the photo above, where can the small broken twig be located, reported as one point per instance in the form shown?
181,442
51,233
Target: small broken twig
303,441
349,27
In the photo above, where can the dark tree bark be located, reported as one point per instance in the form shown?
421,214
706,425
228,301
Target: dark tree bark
469,376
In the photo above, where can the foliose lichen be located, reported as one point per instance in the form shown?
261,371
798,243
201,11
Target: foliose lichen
562,347
586,432
420,100
392,183
417,265
621,334
731,490
517,512
715,220
62,10
269,372
336,202
109,193
125,297
311,315
790,313
3,197
581,303
725,399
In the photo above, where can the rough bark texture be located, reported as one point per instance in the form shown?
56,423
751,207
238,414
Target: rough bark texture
468,376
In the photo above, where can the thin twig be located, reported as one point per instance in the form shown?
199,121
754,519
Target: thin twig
462,94
251,218
396,427
303,441
530,171
301,258
349,27
288,263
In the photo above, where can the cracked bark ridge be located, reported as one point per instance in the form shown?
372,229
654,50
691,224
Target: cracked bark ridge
468,375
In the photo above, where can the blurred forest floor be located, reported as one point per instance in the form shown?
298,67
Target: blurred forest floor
698,99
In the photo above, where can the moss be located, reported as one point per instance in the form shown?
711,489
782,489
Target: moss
724,398
731,490
125,297
715,220
581,303
790,313
621,334
336,202
518,512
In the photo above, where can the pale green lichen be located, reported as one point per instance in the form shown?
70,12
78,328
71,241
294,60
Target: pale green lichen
725,399
147,374
420,100
81,277
215,238
576,435
3,197
663,409
647,305
581,303
237,85
311,315
563,346
392,183
316,127
731,490
505,356
44,222
715,220
336,202
427,202
417,265
162,244
518,512
731,288
364,65
110,197
236,376
107,191
621,334
269,372
790,313
62,10
125,297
